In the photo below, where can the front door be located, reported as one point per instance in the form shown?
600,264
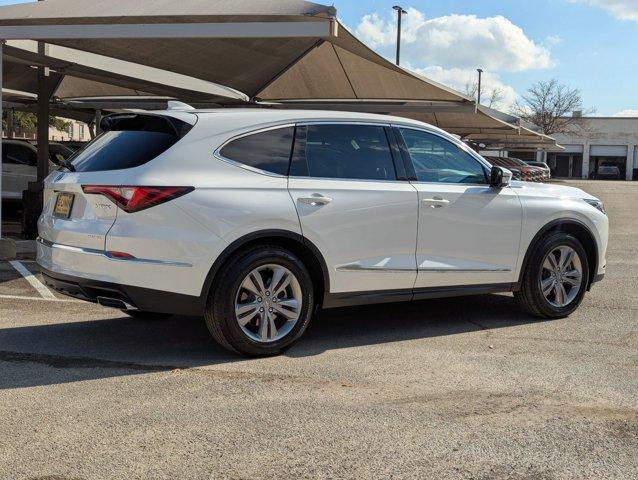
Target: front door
468,232
353,208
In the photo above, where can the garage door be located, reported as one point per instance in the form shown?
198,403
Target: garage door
573,148
609,151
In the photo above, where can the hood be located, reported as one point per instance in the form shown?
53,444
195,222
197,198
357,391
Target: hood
553,190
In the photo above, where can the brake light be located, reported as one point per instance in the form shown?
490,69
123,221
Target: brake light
134,199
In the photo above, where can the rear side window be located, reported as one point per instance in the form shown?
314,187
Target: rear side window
129,141
356,152
18,155
269,150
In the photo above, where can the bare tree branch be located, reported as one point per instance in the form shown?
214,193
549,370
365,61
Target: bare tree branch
494,96
551,105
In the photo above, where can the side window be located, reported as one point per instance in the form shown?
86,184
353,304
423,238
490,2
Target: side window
438,160
356,152
269,150
18,155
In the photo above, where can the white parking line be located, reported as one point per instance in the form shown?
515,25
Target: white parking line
40,299
33,281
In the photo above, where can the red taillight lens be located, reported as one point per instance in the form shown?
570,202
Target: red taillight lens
134,199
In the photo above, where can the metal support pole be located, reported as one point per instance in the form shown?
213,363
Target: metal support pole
478,93
98,121
43,121
10,127
400,13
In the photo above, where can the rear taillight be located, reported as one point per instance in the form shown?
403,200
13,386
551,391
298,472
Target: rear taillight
134,199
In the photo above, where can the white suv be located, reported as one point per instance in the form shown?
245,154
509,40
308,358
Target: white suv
254,218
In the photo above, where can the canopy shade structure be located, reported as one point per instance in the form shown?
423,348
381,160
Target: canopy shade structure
470,122
74,73
288,49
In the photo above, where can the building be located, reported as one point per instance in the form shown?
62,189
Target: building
75,132
609,140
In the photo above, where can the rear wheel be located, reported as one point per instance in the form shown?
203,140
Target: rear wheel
556,277
261,302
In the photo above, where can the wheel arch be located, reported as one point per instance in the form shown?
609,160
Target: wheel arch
574,227
303,248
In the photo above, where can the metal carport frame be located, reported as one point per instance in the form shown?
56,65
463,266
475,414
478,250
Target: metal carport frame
312,27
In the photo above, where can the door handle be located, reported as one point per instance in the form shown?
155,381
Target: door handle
315,200
436,202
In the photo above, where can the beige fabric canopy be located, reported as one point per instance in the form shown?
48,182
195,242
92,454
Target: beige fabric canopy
211,40
286,52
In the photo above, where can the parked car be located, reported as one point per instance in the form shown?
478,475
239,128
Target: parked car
608,171
20,163
74,145
253,219
547,172
57,152
525,172
19,167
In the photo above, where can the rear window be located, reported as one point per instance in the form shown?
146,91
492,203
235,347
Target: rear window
268,151
129,141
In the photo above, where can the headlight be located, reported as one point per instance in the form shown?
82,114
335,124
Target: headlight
596,204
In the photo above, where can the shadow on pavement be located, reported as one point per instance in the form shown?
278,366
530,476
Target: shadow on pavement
76,351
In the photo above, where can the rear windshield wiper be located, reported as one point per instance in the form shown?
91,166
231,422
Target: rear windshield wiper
66,164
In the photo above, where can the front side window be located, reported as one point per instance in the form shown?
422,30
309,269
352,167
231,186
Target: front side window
438,160
269,150
342,151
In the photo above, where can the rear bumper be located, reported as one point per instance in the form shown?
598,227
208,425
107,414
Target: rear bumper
146,299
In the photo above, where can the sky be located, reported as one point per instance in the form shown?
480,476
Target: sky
591,45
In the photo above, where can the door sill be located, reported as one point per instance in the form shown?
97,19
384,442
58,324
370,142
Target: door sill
349,299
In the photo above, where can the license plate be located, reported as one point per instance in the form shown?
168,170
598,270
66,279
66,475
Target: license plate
63,205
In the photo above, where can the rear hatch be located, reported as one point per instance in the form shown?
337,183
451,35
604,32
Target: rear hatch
74,218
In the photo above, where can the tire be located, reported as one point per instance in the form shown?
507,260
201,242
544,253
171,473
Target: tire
147,316
557,304
229,293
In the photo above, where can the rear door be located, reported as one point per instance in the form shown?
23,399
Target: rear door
354,206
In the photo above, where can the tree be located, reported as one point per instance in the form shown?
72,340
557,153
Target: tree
551,105
29,121
494,96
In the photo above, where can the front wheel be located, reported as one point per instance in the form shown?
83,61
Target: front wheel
261,302
556,277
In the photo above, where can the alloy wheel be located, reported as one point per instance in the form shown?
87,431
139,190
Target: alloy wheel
268,303
561,276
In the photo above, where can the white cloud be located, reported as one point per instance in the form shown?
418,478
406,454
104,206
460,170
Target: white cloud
623,9
460,78
461,41
627,113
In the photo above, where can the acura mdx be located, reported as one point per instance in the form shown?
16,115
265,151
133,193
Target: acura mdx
255,218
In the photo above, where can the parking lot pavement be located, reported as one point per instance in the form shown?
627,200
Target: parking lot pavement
453,388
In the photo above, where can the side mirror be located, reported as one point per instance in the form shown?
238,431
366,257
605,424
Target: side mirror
500,177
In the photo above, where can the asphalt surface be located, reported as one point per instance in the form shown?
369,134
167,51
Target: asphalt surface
456,388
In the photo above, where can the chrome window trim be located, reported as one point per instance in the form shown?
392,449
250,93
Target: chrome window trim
217,153
104,254
453,141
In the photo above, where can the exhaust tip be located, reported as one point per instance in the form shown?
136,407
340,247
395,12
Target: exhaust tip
114,303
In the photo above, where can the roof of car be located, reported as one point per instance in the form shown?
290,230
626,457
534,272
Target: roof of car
268,115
